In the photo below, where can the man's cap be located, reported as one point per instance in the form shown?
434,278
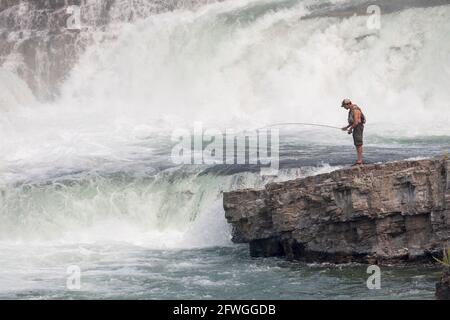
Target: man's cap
345,101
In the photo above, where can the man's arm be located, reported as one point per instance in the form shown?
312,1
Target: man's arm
346,128
356,121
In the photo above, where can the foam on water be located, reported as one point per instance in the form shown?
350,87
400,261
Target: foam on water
13,92
177,208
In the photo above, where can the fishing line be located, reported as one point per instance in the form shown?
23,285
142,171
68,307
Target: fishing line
298,124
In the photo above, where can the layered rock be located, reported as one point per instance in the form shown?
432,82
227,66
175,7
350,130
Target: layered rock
391,212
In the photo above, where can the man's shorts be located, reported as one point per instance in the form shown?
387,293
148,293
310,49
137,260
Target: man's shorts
358,133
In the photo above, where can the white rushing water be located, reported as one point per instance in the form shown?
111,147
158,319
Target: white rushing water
258,61
232,64
87,168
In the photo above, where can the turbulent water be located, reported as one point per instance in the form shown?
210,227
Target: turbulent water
87,180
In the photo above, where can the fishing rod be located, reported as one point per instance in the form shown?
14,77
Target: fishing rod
298,124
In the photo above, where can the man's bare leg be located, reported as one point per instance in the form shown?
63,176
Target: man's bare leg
359,151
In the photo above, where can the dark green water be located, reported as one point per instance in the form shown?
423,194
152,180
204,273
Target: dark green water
115,271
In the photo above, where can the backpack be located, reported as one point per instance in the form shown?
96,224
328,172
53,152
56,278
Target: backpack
363,117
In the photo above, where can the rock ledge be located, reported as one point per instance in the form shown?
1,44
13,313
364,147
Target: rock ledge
390,212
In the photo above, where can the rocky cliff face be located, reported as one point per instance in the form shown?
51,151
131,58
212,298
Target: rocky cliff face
376,213
443,287
38,44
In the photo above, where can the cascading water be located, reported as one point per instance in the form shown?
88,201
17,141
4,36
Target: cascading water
263,63
90,173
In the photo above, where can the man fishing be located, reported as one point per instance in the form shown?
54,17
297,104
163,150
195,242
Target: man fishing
356,121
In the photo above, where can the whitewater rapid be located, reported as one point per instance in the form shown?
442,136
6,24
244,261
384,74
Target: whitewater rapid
93,165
